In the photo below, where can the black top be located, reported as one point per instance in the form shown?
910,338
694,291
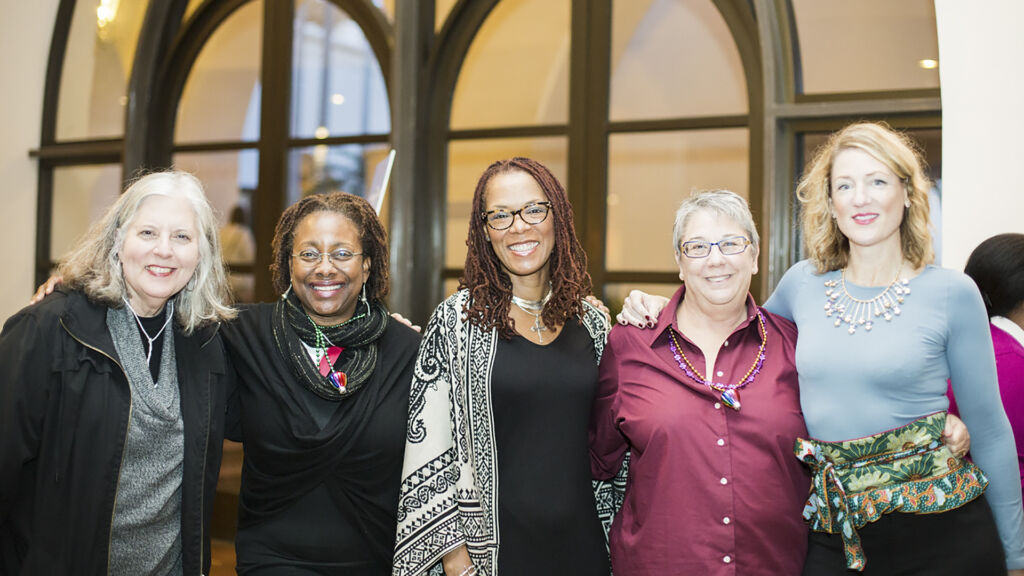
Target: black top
541,395
152,325
320,478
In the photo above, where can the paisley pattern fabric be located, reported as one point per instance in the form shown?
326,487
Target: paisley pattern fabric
449,480
907,469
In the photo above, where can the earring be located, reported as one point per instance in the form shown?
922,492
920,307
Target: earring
362,296
906,203
286,292
191,285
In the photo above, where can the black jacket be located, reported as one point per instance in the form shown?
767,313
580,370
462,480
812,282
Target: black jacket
64,409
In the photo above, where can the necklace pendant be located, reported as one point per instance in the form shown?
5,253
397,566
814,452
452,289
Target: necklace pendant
731,398
339,380
538,328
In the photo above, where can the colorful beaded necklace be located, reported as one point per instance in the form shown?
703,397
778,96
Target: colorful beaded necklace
728,393
329,353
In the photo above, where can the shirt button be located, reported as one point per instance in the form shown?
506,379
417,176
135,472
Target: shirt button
721,442
727,559
726,520
724,481
720,373
718,405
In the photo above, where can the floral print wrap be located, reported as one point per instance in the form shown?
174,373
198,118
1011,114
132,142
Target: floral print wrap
907,469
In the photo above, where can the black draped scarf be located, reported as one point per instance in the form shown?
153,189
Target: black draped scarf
358,337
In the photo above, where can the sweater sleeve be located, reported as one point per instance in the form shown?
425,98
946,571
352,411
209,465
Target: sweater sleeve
607,445
973,375
23,390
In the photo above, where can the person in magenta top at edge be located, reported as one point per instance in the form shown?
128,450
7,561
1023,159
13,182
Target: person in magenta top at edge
713,488
997,267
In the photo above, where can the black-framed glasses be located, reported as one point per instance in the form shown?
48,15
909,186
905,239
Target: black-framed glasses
533,213
314,257
728,246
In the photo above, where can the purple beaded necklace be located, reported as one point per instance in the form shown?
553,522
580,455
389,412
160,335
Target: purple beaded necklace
729,393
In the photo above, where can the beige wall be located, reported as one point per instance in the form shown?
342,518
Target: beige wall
980,47
25,42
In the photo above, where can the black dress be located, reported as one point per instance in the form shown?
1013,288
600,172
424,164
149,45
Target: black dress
320,478
541,397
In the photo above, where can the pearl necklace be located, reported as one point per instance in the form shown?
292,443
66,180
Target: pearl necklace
534,308
729,393
855,312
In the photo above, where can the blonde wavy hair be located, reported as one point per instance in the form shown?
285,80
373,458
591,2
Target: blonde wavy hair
93,267
824,243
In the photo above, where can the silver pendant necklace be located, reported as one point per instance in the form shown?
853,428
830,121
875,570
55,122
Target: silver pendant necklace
534,308
151,339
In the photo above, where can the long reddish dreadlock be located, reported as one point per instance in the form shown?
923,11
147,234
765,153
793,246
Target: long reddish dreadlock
488,282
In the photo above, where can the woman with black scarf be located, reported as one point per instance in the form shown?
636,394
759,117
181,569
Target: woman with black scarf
322,398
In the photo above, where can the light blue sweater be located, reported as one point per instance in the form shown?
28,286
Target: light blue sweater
858,385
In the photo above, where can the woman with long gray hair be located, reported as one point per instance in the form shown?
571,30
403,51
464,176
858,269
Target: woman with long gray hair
112,398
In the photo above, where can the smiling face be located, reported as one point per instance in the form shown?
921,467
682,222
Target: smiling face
328,290
867,199
523,249
159,253
717,279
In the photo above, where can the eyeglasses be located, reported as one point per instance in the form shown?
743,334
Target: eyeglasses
314,257
728,246
532,214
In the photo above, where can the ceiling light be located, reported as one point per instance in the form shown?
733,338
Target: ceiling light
337,99
321,132
928,64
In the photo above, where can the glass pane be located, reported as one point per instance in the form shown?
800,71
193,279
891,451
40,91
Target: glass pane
230,182
221,99
468,159
387,7
97,65
673,58
81,195
451,285
337,85
930,143
190,9
649,174
346,168
866,45
517,70
615,293
442,8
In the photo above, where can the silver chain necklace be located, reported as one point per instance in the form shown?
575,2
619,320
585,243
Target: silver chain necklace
534,308
149,349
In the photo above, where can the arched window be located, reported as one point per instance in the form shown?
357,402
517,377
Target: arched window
263,100
633,104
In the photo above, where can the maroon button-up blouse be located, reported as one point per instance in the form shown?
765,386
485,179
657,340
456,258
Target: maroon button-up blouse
711,490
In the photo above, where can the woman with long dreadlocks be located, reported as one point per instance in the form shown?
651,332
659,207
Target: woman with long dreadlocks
503,386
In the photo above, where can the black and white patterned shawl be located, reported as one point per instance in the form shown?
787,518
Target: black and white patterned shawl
449,486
